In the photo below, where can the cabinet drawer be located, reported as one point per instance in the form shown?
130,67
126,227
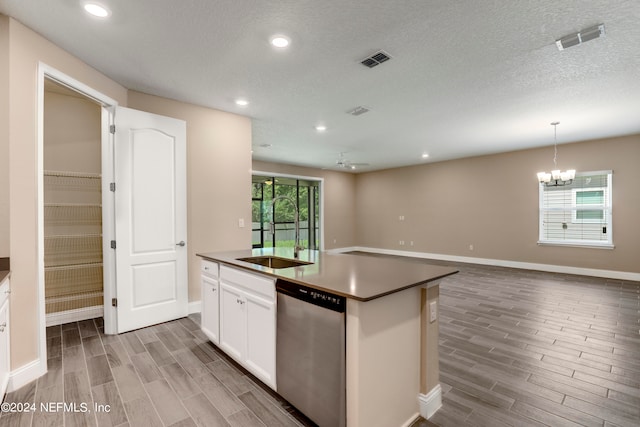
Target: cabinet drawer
209,268
261,285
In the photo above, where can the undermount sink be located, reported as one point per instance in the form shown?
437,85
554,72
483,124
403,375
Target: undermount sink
274,262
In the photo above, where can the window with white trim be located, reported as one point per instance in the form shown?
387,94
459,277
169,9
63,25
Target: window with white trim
578,214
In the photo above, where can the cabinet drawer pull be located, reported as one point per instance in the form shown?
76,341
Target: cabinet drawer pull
213,289
4,325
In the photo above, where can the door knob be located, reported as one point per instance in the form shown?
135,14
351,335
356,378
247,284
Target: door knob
182,243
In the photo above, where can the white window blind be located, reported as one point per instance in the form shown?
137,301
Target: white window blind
578,214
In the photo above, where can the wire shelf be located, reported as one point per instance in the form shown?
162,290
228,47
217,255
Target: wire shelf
70,280
72,250
68,213
73,302
70,174
72,245
70,181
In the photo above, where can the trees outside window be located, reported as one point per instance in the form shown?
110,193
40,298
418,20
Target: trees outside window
306,193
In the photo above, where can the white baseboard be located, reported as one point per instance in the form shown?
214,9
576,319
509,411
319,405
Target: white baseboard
411,420
76,315
430,402
195,307
25,374
594,272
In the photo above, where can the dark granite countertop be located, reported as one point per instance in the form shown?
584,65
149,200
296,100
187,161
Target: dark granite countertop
358,277
4,274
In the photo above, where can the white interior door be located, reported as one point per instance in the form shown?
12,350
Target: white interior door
150,219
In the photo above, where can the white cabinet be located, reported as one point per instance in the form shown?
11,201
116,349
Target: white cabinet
233,322
260,351
248,321
4,336
210,314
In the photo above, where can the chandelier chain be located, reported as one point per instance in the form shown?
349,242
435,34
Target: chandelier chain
556,178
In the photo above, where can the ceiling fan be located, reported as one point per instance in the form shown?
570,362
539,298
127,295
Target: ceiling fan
344,163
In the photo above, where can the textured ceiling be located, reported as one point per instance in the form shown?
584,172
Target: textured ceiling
466,77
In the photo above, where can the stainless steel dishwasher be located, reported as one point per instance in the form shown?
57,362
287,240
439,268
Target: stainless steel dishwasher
310,352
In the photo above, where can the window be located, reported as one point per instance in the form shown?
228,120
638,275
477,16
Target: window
578,214
584,198
306,194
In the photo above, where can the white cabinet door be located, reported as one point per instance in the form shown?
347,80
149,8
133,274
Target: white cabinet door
248,321
233,335
4,347
261,338
210,309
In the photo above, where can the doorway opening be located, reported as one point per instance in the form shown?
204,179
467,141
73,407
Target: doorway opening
73,256
73,306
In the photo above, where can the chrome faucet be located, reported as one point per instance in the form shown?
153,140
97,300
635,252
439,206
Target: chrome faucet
272,226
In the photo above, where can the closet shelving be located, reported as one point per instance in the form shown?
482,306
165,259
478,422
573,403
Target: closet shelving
72,242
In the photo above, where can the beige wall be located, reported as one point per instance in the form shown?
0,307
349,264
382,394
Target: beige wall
339,200
4,136
72,133
218,177
491,202
26,49
219,170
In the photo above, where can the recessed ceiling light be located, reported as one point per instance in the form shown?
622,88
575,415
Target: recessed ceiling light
321,128
97,10
280,41
242,102
425,155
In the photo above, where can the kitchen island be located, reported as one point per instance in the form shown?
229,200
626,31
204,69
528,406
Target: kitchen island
391,342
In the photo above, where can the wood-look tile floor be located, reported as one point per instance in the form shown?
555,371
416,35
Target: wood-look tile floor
517,348
164,375
526,348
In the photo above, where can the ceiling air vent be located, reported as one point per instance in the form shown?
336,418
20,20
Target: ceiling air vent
375,59
358,111
580,37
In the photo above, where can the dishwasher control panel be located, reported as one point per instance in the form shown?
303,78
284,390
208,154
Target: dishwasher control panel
312,296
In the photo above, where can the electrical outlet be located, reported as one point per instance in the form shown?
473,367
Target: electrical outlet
470,247
401,242
433,311
411,243
401,217
241,222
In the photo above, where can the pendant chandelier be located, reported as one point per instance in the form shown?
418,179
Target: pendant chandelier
556,178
